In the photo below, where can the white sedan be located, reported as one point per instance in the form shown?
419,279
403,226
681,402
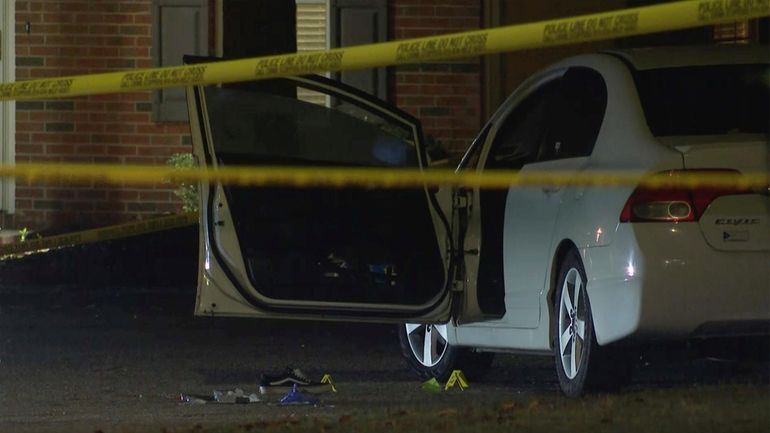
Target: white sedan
573,272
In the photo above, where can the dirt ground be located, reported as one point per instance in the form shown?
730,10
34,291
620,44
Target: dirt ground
116,360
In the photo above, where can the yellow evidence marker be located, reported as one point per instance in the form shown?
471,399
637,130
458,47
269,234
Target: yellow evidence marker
327,378
457,378
431,385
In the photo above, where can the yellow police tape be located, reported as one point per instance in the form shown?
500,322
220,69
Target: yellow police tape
373,177
335,177
584,28
11,251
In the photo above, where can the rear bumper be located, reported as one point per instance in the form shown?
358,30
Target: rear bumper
663,281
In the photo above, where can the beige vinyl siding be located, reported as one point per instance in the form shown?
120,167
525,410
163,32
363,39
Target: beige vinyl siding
311,36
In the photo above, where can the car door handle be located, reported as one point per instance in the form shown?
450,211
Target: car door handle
551,189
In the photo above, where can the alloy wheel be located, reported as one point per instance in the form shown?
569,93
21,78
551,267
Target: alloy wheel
572,323
428,342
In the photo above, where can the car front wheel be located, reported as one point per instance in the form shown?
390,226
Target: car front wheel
426,350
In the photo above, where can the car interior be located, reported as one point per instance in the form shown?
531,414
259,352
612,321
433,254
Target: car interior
324,244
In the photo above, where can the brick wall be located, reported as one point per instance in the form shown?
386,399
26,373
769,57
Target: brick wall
86,36
77,37
445,96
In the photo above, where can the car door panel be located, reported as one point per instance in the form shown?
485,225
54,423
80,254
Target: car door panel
512,144
575,113
354,253
467,230
548,125
528,242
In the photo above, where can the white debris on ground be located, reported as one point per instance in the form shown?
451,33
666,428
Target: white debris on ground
236,396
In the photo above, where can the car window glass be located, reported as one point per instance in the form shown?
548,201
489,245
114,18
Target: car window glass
471,158
705,100
249,124
518,140
575,115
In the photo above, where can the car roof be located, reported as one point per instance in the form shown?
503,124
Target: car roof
672,57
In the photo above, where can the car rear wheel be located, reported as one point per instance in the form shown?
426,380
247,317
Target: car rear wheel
428,354
581,364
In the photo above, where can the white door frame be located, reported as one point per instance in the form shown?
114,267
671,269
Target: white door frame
8,108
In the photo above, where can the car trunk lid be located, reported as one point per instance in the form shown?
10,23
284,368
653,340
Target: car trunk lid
736,219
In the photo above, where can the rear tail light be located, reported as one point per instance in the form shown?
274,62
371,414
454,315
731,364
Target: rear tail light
674,204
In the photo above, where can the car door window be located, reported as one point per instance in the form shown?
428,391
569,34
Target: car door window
576,112
517,141
270,128
471,158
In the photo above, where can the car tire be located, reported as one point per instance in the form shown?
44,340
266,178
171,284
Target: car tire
581,364
443,358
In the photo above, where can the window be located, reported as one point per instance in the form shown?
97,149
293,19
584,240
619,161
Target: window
518,140
575,116
323,24
357,22
471,158
312,35
705,100
274,128
179,27
561,119
312,24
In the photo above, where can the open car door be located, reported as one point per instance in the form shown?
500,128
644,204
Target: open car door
317,252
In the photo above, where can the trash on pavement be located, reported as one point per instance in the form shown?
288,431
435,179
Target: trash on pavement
194,399
236,396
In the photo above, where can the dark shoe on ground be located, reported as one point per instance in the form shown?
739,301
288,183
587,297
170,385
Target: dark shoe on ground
283,382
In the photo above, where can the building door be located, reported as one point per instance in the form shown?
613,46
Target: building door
259,28
7,108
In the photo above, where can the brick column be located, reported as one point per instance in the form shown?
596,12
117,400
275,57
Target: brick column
445,96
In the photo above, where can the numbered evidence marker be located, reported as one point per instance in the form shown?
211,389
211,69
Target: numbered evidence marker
327,378
431,385
457,378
